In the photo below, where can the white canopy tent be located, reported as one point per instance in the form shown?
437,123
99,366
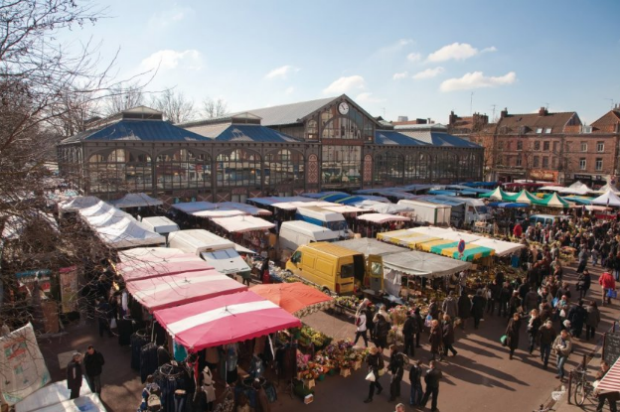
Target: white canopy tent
129,233
606,188
551,188
576,188
501,247
136,200
243,224
78,203
191,207
418,263
211,214
343,209
147,254
160,224
52,394
381,218
448,234
609,198
248,209
385,208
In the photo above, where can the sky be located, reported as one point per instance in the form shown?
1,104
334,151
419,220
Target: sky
415,58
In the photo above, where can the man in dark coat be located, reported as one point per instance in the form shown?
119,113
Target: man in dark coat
74,375
447,336
477,308
464,307
408,326
418,326
415,380
577,316
512,333
397,369
433,375
93,364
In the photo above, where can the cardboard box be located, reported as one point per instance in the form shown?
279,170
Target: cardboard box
308,399
309,383
357,365
345,372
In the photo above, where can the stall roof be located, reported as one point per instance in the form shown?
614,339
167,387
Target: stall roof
136,200
243,224
292,297
51,394
508,205
208,323
611,380
226,261
191,207
381,207
369,246
381,218
343,209
210,214
197,241
182,288
423,264
609,198
406,238
450,234
160,224
149,254
501,247
250,210
321,195
132,270
79,203
129,233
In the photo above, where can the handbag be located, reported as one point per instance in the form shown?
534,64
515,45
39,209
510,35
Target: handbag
612,293
504,340
382,372
371,377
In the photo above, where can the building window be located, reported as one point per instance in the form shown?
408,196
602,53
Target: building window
546,146
554,162
600,147
548,130
500,145
545,162
284,168
312,130
341,128
238,168
341,165
120,170
537,146
584,147
183,169
536,161
507,161
519,145
599,163
388,168
582,163
556,146
509,146
518,161
539,130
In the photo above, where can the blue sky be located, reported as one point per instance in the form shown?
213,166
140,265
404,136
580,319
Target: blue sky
413,58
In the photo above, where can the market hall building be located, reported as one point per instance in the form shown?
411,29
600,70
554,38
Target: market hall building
325,144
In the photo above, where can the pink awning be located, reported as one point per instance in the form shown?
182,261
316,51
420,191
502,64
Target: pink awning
168,291
611,380
136,270
224,319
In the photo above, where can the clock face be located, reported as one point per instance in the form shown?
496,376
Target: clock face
343,108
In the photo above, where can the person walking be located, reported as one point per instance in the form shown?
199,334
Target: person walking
449,306
594,318
408,326
447,336
375,363
562,347
583,283
464,308
415,380
578,316
74,375
477,308
608,284
435,338
433,375
103,314
512,333
382,329
531,300
418,326
546,338
397,369
533,327
362,330
93,365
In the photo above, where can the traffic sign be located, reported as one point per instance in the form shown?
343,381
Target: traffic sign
461,246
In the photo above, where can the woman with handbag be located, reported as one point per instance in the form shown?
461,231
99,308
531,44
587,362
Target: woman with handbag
512,333
583,283
375,370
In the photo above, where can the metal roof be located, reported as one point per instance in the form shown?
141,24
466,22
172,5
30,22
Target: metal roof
145,130
389,137
439,139
254,133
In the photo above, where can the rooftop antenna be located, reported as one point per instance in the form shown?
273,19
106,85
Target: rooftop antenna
471,103
612,102
493,106
547,106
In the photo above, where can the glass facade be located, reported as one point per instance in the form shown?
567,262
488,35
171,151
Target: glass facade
119,170
341,165
389,169
238,168
285,167
183,169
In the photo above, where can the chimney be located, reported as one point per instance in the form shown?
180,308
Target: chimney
503,113
543,111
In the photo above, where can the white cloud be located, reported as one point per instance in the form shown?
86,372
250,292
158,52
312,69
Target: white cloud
414,57
345,84
401,75
457,51
491,49
281,72
404,42
428,73
367,97
164,60
477,80
289,90
168,17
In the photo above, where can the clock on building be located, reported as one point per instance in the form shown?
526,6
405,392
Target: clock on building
343,108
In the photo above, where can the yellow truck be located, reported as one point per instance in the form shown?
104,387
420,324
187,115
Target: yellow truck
332,268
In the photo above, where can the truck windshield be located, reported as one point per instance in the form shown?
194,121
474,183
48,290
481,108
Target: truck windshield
346,271
337,225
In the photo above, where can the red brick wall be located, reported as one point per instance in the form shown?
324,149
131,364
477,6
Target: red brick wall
574,153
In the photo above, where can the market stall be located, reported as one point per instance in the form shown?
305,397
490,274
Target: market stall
78,203
295,298
160,224
129,233
51,394
182,288
131,200
609,199
501,248
371,223
136,269
249,231
209,323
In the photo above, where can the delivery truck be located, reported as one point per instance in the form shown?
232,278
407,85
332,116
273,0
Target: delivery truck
298,233
426,212
325,218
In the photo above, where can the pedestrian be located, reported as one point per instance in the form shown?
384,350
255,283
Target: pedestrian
515,304
103,314
435,338
583,283
397,369
93,366
512,333
546,338
264,272
562,347
382,329
415,380
74,375
533,326
531,300
611,397
608,284
408,328
262,402
433,375
447,336
374,359
464,308
362,330
433,309
449,306
418,326
578,316
399,408
504,297
583,258
594,318
477,308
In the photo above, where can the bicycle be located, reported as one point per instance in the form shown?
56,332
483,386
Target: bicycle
583,389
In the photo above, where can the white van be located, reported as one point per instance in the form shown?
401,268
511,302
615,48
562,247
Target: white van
433,213
326,218
298,233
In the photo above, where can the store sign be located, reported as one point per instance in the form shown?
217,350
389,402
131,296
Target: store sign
42,272
548,175
69,289
28,279
582,177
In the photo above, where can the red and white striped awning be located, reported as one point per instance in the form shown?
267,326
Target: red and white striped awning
224,319
136,269
611,380
168,291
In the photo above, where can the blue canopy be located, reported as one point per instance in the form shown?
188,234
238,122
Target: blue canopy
508,205
321,195
480,184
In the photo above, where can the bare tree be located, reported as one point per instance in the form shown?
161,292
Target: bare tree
175,106
214,108
123,98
